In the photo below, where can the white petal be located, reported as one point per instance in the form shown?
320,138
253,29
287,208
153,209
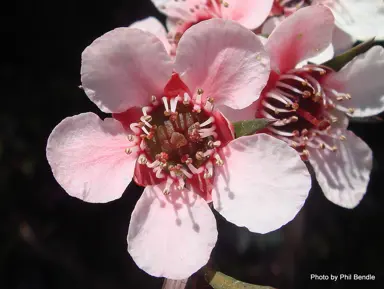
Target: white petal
363,19
343,175
262,185
363,79
171,236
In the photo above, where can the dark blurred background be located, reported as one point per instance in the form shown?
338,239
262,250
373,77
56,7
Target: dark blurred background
49,240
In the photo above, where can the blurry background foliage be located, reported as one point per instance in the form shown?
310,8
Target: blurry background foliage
49,240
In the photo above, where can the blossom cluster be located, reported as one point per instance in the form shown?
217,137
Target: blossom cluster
172,95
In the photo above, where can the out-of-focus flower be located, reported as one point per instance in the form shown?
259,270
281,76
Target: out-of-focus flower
182,14
309,103
341,40
362,19
167,136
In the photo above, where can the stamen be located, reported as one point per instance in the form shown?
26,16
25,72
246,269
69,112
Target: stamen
275,109
290,87
135,127
165,101
181,183
186,173
154,100
206,132
146,119
193,169
219,161
208,121
208,170
142,159
214,144
168,184
187,99
174,103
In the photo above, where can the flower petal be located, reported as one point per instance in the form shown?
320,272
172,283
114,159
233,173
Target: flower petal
88,159
362,78
302,35
233,115
262,185
177,9
124,68
171,236
154,26
362,19
249,13
224,59
343,175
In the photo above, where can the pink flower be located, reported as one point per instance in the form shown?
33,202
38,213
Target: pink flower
281,9
309,103
166,135
182,14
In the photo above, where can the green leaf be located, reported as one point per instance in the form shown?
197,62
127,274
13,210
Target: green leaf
339,61
248,127
218,280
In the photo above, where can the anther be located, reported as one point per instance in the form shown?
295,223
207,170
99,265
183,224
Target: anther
306,94
219,161
154,100
130,137
351,110
142,160
167,188
322,146
214,144
342,137
295,106
128,151
200,91
199,155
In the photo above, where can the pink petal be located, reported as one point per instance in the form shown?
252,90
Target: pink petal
88,159
177,9
262,185
343,175
154,26
233,115
124,68
171,236
249,13
224,59
362,78
302,35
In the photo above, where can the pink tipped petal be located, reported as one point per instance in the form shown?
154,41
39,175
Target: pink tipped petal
224,59
154,26
171,236
362,78
302,35
249,13
343,175
88,159
262,185
124,68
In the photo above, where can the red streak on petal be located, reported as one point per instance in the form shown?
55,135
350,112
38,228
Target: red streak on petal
308,116
175,87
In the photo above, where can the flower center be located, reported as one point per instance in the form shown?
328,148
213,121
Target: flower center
177,138
287,7
192,15
302,108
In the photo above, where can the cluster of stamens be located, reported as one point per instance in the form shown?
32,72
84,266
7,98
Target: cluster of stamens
176,138
303,110
195,13
288,7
